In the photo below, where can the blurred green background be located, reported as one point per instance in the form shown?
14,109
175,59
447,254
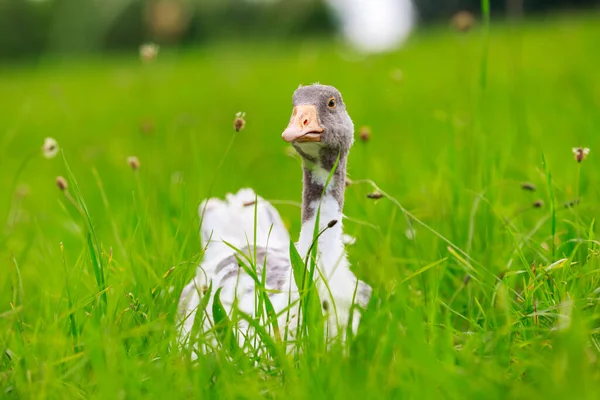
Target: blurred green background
38,27
460,114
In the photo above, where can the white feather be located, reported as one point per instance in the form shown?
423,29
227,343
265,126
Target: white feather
226,224
232,221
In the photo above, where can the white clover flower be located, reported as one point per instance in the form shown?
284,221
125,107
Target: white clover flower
50,148
148,51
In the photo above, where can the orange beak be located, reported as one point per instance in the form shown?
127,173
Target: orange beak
304,125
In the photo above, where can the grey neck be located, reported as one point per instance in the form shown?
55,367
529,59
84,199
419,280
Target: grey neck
316,171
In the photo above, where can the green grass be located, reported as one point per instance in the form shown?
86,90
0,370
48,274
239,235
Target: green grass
468,309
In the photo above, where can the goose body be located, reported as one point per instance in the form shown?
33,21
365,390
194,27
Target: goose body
228,236
321,131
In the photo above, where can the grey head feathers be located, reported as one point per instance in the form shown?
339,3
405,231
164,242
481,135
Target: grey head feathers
338,129
330,140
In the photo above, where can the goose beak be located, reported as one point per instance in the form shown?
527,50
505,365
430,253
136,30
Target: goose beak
304,125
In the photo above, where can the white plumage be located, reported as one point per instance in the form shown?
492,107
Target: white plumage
227,224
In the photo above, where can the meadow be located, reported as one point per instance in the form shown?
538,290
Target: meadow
484,287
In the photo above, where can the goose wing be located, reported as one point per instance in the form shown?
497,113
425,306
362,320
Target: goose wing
233,221
254,228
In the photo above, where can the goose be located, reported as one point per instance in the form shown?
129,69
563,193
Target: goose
321,132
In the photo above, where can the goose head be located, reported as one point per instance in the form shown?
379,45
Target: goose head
320,127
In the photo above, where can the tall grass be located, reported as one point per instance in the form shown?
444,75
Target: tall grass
477,293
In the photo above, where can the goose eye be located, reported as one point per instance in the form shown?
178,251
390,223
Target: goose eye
331,103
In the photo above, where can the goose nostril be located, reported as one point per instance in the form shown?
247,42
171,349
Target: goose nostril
305,122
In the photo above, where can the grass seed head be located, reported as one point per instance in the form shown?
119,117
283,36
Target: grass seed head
61,183
580,153
50,148
133,162
364,133
374,195
466,279
539,203
571,203
332,223
462,21
148,52
239,122
528,186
